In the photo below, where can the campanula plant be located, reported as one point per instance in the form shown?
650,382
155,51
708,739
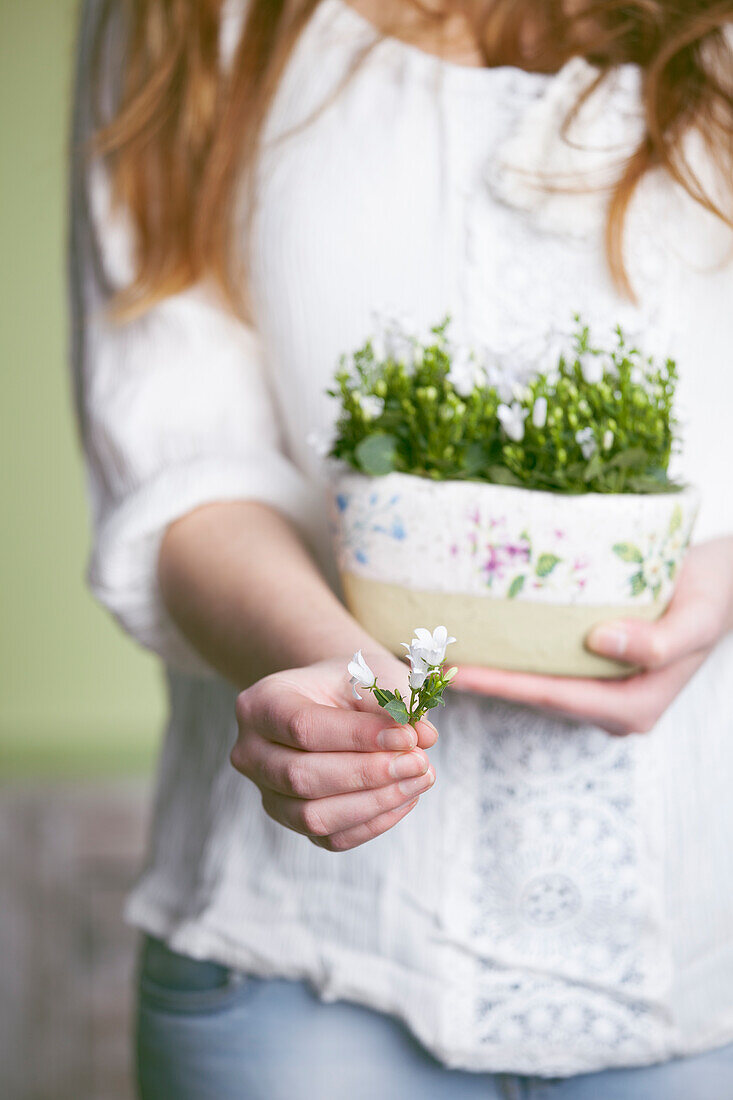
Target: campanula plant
595,416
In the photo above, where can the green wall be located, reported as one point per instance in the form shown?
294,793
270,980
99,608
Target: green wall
75,693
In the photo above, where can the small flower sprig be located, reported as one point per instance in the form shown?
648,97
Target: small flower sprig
427,679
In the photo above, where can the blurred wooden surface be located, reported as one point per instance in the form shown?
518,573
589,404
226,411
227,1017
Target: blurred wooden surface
68,854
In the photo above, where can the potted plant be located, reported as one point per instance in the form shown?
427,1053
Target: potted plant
522,512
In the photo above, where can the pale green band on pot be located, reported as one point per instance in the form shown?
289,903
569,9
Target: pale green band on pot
520,635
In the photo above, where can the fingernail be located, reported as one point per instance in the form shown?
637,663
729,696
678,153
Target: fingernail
418,784
611,641
409,805
407,764
427,722
398,737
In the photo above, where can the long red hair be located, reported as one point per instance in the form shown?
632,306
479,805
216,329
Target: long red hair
185,130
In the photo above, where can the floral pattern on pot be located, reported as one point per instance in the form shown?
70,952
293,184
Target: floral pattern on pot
503,542
510,567
657,560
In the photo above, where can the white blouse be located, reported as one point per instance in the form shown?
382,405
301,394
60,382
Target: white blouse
561,900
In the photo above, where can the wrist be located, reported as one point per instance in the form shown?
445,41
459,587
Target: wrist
324,638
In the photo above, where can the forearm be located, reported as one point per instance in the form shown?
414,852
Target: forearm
724,546
244,590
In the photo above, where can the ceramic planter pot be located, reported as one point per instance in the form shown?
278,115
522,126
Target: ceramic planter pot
518,576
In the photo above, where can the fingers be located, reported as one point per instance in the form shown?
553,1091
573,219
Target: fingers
627,706
360,834
320,774
282,714
339,774
687,627
567,696
693,622
324,817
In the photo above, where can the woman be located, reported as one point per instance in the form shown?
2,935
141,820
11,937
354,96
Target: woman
555,916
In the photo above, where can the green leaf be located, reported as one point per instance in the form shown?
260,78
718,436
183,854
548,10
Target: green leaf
576,470
594,468
377,454
516,586
501,476
634,456
649,483
474,458
628,552
638,584
397,710
546,563
383,696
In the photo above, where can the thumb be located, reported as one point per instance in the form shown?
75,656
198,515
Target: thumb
427,734
686,627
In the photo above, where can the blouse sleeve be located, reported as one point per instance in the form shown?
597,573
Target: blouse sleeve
175,412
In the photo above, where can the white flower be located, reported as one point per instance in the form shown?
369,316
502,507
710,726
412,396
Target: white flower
653,570
379,347
511,418
428,648
591,367
371,405
419,669
430,339
321,442
605,335
402,349
498,375
396,338
546,353
520,392
504,387
587,442
361,673
465,374
539,412
508,380
607,439
347,363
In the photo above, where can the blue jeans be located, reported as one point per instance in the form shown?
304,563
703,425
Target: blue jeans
205,1032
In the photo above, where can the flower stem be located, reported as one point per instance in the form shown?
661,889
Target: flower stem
412,718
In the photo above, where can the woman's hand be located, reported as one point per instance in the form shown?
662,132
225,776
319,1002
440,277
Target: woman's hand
669,652
329,765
